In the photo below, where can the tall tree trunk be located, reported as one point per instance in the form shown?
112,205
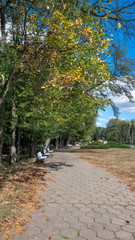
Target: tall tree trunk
61,141
18,144
13,147
68,142
32,147
1,131
56,143
132,134
46,144
3,40
3,26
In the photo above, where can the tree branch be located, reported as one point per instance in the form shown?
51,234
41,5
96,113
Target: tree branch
6,86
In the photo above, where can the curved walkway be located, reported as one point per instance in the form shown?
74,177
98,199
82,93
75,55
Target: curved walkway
82,202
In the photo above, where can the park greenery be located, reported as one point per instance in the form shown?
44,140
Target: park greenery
55,72
119,131
102,145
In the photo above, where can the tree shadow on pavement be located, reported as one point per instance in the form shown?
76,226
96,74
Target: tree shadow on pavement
55,166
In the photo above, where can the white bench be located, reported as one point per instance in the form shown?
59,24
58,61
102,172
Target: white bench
69,145
46,153
40,157
49,151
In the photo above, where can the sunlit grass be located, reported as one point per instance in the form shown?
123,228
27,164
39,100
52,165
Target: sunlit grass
120,162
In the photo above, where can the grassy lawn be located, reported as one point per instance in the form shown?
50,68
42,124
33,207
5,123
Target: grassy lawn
19,186
120,162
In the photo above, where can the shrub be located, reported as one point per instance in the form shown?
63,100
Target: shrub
117,145
96,146
99,145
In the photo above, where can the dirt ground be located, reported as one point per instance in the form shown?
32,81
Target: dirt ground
120,162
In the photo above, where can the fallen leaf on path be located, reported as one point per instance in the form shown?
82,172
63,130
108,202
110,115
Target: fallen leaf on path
51,237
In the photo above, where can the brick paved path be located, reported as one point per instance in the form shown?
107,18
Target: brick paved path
82,202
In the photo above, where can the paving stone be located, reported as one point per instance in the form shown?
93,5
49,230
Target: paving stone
129,228
61,225
100,210
113,227
70,219
77,238
43,224
78,225
49,232
82,202
95,226
55,219
31,224
119,222
131,208
33,230
89,234
132,222
103,220
86,219
78,214
123,235
63,213
69,232
106,234
20,237
93,214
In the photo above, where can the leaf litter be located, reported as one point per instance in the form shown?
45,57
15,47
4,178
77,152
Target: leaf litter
19,189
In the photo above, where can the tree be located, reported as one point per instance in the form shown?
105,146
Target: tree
55,55
120,131
99,133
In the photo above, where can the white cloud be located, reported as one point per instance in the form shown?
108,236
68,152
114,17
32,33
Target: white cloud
98,124
112,117
102,120
123,103
101,114
128,109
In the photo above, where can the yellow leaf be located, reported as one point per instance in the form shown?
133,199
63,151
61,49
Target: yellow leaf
64,6
119,25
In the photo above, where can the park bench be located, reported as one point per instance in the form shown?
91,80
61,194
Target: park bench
40,157
69,145
49,151
46,153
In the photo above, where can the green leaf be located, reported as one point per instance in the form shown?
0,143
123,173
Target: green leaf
65,237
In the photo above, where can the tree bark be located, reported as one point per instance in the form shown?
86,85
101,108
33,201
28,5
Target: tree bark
32,147
46,144
13,147
61,141
6,86
18,144
1,131
56,143
68,142
3,26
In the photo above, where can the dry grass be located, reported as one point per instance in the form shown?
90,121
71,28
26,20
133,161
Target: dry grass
120,162
18,195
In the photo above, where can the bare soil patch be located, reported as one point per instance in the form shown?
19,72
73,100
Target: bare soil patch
120,162
19,186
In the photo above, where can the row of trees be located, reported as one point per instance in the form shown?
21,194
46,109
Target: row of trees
117,130
54,71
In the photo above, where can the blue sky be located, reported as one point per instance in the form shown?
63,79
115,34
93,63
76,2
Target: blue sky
126,108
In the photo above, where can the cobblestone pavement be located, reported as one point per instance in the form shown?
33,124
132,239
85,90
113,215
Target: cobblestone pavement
82,202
